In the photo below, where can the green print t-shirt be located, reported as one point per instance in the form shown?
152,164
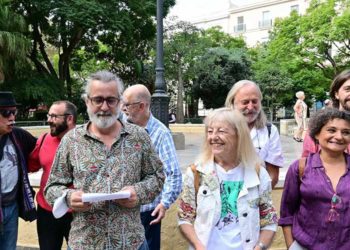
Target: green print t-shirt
226,233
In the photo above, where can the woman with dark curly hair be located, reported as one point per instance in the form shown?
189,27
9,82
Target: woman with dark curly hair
315,211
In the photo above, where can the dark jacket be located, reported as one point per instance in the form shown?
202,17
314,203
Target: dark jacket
24,143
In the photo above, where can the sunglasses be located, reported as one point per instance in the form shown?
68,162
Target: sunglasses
8,112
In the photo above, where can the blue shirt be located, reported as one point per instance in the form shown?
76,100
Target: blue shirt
306,204
164,146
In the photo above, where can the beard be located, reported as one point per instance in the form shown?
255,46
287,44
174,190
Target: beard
345,105
103,119
251,116
58,128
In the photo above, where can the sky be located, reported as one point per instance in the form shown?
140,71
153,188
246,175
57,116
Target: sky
188,10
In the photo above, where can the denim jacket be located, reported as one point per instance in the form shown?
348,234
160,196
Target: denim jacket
254,204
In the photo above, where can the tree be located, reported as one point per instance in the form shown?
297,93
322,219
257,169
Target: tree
13,43
65,25
215,38
181,48
325,35
218,70
297,57
184,46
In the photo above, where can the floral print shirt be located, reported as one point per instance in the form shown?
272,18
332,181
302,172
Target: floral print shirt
83,161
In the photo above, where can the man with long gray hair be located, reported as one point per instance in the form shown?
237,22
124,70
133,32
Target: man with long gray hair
105,155
246,97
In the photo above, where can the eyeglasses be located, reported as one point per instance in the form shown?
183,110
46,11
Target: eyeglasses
333,214
8,112
127,105
54,116
99,100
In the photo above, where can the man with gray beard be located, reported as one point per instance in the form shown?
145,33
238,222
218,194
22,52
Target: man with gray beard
105,155
246,97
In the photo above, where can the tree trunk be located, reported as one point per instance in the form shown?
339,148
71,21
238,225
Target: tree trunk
193,107
180,99
271,113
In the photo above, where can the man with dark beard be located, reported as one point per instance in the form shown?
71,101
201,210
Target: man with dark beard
106,155
62,117
340,93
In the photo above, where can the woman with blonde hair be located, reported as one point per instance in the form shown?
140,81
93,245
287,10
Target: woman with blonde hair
300,109
226,199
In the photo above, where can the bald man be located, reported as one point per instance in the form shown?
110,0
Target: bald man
136,106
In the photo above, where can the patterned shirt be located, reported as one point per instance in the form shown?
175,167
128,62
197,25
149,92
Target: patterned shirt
84,161
164,146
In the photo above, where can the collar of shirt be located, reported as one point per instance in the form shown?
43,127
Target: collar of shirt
151,124
315,161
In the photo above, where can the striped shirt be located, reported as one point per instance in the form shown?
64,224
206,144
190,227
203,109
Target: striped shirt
164,145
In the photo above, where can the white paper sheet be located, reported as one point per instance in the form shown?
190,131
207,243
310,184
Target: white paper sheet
60,207
96,197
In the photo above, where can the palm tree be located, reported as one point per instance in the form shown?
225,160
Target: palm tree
13,44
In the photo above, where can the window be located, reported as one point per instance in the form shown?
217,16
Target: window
294,7
266,20
240,27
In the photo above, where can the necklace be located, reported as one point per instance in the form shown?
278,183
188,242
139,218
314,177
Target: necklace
333,214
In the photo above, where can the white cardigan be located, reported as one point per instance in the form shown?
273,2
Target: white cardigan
256,191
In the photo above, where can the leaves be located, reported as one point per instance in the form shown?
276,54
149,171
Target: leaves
218,70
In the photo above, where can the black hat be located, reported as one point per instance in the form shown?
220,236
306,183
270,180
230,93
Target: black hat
7,99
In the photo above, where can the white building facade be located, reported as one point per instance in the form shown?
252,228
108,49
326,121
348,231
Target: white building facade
251,19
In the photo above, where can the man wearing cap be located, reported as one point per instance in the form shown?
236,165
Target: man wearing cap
16,197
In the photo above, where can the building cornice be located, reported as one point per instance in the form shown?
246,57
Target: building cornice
257,5
210,18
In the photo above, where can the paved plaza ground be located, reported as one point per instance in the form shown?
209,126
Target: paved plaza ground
171,237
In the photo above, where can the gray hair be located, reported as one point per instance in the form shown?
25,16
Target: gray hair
299,94
261,120
105,77
322,117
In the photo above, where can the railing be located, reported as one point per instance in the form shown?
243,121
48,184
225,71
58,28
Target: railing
241,27
30,123
265,24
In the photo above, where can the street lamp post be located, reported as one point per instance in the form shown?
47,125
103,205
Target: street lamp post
160,99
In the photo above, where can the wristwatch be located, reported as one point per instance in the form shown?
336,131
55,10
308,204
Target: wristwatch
262,246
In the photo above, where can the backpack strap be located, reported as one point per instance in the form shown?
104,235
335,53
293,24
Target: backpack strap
42,140
268,126
196,180
301,167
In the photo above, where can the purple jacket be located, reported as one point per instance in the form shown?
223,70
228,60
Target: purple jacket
305,206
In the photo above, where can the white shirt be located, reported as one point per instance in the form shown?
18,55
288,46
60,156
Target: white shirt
226,235
268,149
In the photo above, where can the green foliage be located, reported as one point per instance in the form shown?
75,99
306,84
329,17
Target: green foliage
124,28
184,48
218,70
217,38
13,43
34,89
304,52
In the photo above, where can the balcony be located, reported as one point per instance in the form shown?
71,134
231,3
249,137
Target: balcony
265,24
239,28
